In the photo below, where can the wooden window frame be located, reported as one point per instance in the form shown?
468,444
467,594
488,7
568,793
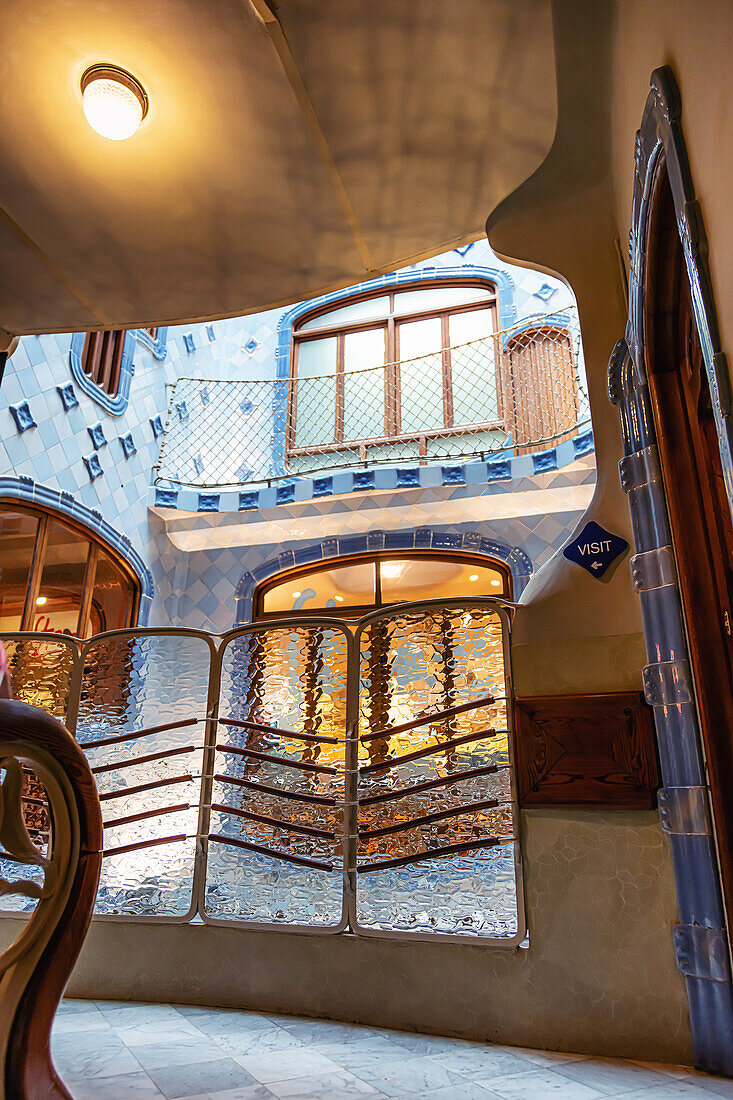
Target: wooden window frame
378,556
391,324
44,517
101,358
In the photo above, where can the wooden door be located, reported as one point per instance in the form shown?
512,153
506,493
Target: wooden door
698,506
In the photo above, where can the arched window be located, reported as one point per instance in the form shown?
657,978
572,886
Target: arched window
351,587
57,577
404,366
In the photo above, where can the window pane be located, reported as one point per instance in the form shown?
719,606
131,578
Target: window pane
421,379
473,369
348,315
17,539
471,325
364,391
418,301
111,598
425,579
315,412
343,586
62,578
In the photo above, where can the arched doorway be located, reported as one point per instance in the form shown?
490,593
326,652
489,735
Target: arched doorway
699,512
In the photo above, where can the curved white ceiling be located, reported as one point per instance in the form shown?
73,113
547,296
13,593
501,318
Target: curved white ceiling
280,158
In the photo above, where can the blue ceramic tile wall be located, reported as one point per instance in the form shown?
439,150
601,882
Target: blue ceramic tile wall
65,446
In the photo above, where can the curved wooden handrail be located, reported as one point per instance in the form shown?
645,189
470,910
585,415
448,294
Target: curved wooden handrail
36,968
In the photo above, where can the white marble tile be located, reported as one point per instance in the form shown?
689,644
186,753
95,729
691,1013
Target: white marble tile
246,1092
356,1055
410,1075
78,1056
286,1065
339,1085
609,1076
180,1053
542,1057
540,1085
195,1078
128,1086
480,1062
256,1043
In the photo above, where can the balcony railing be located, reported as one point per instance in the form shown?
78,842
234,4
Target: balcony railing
315,774
518,390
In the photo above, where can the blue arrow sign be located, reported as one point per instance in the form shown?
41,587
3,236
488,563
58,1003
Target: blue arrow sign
595,549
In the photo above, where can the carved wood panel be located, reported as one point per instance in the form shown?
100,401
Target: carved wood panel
586,750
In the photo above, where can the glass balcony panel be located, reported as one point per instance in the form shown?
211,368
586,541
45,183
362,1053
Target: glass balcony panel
288,873
40,671
414,665
132,684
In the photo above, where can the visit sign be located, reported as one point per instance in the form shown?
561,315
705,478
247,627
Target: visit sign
595,549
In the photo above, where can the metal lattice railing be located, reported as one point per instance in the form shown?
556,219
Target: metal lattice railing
517,390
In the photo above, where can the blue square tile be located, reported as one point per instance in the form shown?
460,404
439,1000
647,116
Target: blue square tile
322,486
407,479
498,470
247,501
166,498
22,416
93,465
188,342
400,540
210,333
198,463
157,425
352,544
443,540
453,475
68,396
128,445
285,494
182,410
583,444
364,479
545,460
96,434
208,502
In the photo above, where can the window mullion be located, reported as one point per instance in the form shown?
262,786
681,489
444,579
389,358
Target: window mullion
339,426
87,590
34,575
446,367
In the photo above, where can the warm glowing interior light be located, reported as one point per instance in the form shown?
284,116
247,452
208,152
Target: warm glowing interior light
473,577
340,599
296,594
114,102
41,600
496,583
391,569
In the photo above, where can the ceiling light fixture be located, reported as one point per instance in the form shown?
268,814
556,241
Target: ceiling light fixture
473,577
41,601
391,569
114,102
496,583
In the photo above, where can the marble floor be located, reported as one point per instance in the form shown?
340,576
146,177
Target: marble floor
110,1050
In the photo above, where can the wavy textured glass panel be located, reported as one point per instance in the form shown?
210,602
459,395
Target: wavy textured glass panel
290,679
131,684
412,666
40,671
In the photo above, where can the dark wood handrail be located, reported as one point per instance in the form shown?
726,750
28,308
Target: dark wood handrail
430,719
29,1069
429,751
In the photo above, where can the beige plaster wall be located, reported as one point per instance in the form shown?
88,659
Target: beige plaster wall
598,977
